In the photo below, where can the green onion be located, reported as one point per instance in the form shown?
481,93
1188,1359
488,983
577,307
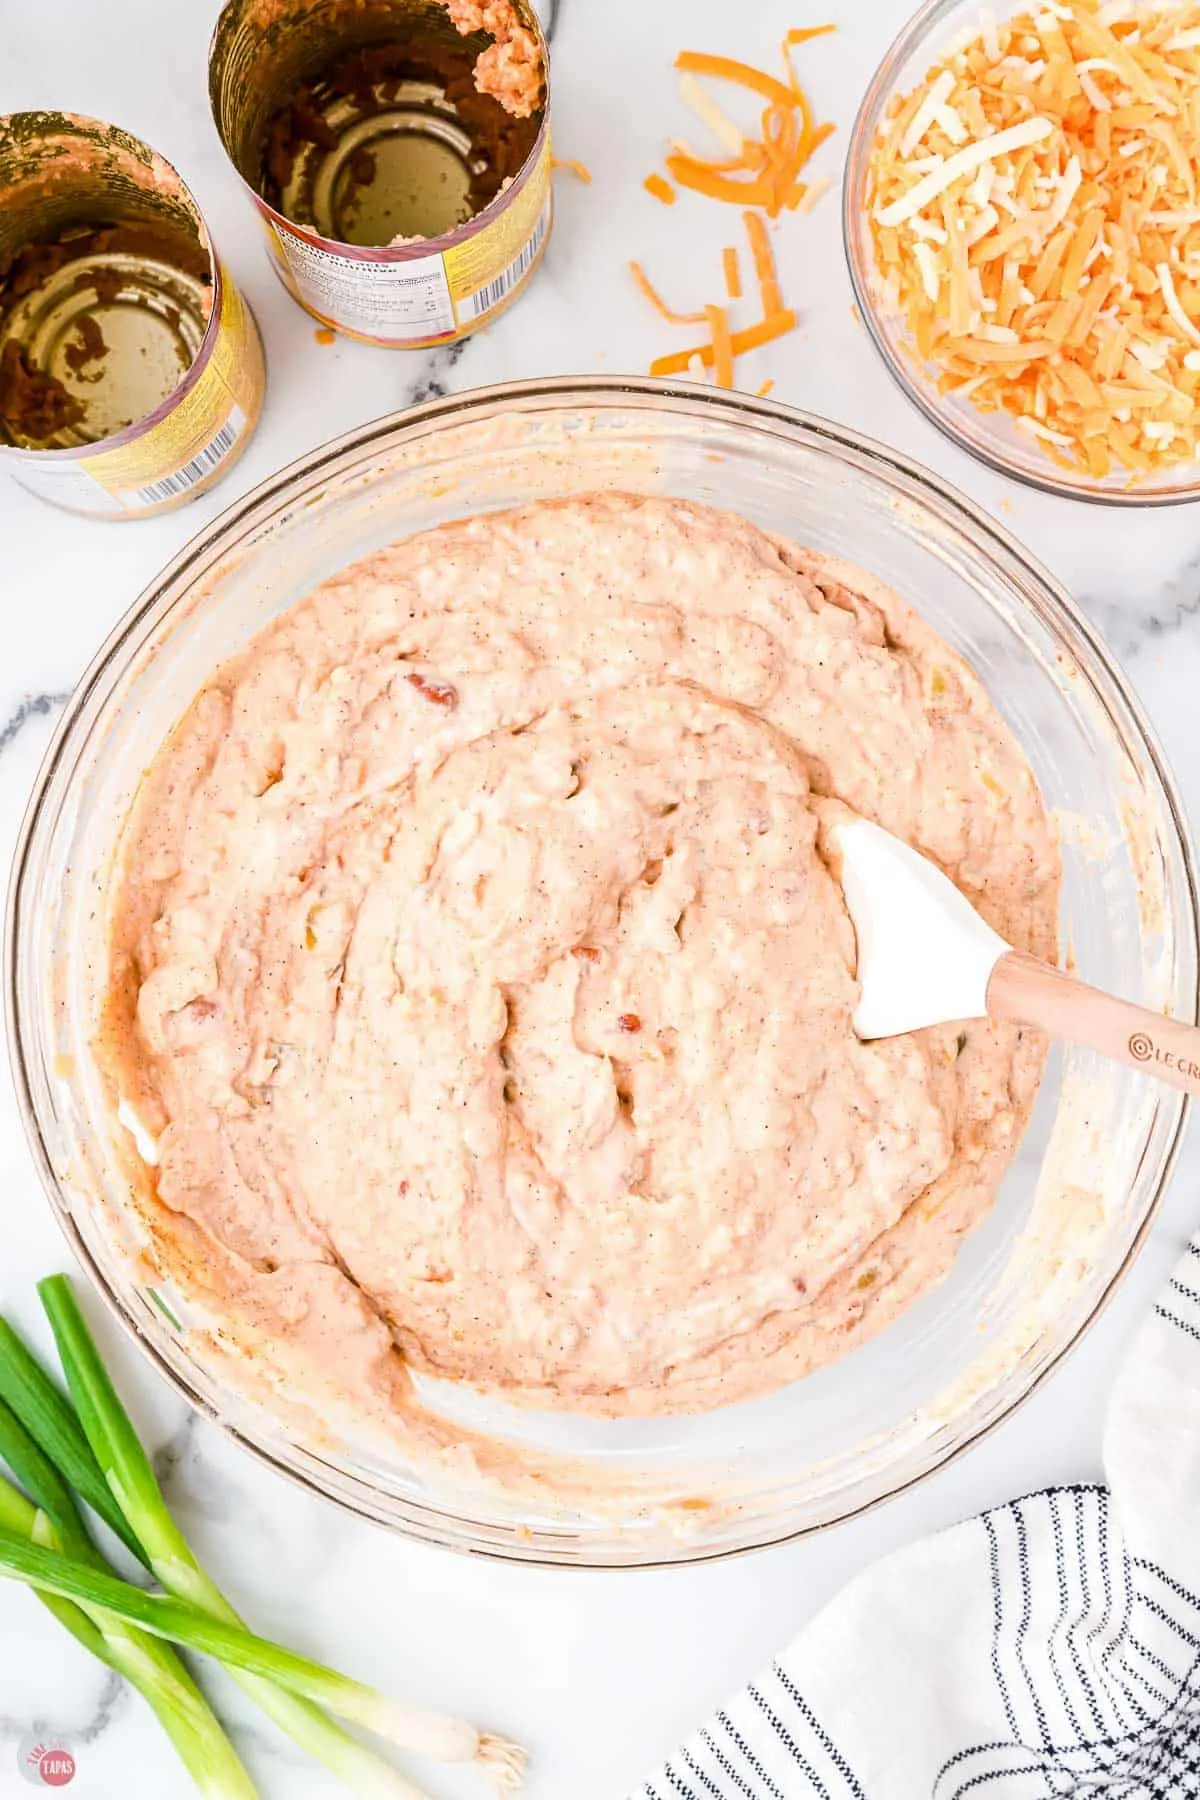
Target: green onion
47,1415
147,1664
45,1486
19,1519
294,1703
239,1650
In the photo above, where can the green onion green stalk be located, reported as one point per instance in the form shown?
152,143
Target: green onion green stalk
295,1704
61,1451
51,1519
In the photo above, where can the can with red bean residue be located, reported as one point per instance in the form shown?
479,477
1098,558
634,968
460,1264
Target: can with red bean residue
398,152
131,371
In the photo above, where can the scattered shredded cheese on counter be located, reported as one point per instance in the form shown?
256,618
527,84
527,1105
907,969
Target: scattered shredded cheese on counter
704,355
573,166
658,303
1035,215
753,172
756,171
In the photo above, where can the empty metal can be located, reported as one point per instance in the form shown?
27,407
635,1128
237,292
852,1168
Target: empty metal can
131,371
398,152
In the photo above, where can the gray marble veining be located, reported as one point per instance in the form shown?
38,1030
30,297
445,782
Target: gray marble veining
33,706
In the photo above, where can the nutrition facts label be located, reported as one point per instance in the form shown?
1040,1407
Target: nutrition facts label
379,299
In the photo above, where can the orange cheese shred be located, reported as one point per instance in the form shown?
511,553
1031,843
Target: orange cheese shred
725,68
763,177
766,171
573,166
752,338
658,303
722,345
661,190
703,178
764,264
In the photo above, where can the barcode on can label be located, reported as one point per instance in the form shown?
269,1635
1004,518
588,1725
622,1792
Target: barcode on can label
484,298
201,465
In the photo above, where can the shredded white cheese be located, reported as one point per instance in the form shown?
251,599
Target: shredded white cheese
965,162
1172,303
719,123
1096,95
813,193
1068,186
991,37
981,224
927,264
1151,356
951,124
1043,431
926,113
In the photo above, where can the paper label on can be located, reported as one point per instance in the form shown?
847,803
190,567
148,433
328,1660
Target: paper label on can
423,297
65,483
180,450
376,299
483,270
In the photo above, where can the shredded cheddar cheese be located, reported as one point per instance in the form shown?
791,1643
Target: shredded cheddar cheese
755,173
1035,214
722,346
761,171
574,167
739,342
725,344
658,303
764,264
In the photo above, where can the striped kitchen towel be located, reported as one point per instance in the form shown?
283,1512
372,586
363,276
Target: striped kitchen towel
1048,1648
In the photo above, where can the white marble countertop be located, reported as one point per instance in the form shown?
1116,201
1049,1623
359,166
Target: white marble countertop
598,1673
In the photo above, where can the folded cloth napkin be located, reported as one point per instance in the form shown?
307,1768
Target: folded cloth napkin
1049,1647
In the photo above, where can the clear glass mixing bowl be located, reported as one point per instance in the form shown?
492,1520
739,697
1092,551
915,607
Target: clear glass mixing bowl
1079,1197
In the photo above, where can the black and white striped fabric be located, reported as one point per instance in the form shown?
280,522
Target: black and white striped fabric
1048,1648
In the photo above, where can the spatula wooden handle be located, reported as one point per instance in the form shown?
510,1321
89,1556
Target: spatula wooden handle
1024,991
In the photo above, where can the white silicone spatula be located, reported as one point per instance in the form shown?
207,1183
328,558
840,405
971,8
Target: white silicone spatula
925,957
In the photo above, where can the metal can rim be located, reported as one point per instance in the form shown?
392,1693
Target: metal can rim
137,427
396,253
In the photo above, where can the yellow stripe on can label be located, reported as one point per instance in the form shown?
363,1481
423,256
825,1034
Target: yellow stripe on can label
420,299
203,428
131,370
399,156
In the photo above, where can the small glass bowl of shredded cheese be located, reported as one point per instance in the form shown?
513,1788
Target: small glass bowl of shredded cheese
1022,221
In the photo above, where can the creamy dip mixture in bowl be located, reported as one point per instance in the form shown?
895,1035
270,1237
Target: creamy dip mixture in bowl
430,989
